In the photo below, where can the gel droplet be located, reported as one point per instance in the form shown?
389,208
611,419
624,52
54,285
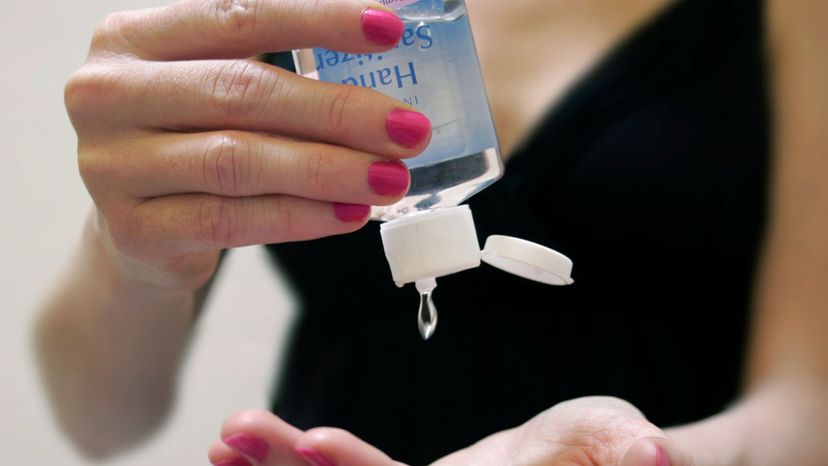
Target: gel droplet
427,314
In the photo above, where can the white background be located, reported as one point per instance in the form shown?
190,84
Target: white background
43,204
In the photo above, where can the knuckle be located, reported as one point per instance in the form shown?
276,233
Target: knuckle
75,93
114,32
307,8
317,167
286,228
92,91
227,165
243,420
329,434
337,106
235,19
238,88
97,169
217,222
106,31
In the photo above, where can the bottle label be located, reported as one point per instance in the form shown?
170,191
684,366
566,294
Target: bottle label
434,69
395,4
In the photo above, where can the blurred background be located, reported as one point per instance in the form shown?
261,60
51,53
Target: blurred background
234,357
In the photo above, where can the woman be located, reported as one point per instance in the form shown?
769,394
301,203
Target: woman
650,172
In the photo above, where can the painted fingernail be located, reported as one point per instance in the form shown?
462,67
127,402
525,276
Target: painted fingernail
407,128
388,178
233,462
351,212
661,457
381,27
248,445
314,457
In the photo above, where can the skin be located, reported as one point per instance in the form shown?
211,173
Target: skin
140,102
586,431
188,147
522,84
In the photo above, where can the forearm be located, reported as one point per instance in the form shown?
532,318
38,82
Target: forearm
784,420
109,349
781,423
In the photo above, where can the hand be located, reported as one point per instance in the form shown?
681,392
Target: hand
593,431
188,147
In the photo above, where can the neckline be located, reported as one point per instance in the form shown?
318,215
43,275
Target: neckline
616,62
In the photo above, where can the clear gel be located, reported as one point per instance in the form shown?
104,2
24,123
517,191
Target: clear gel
427,315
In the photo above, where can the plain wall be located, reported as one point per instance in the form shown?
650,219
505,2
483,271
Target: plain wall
234,357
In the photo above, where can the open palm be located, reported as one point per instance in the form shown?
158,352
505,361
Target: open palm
592,431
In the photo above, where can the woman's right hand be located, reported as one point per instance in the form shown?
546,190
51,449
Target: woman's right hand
188,146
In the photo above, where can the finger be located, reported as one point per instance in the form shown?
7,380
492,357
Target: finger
247,164
175,225
246,95
656,451
262,438
192,29
222,455
327,446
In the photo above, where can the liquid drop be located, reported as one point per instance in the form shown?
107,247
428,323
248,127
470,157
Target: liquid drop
427,314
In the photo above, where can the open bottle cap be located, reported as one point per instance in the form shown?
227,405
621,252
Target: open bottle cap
430,244
443,241
527,259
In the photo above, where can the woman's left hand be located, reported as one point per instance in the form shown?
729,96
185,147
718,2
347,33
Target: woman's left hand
592,431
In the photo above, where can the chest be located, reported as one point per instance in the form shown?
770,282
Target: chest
532,51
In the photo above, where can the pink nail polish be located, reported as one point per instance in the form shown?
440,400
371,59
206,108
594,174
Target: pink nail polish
248,445
388,178
351,212
234,462
407,128
661,457
381,27
314,457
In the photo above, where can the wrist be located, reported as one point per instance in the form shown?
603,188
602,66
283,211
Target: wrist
173,279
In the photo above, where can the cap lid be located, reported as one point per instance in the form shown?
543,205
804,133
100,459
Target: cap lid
528,260
443,241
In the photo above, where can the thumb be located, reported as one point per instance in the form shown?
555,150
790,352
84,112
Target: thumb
656,451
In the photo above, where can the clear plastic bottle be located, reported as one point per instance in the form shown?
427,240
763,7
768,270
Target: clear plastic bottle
435,69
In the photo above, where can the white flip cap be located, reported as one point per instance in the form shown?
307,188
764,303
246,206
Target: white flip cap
444,241
528,260
430,244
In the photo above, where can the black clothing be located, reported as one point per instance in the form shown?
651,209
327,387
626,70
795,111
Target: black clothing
650,175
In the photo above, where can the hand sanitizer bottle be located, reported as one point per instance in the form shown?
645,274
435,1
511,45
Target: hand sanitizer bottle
428,234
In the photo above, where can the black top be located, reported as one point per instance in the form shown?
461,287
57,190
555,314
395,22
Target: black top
651,176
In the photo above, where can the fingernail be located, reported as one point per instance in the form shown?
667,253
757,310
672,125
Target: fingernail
351,212
381,27
314,457
661,457
248,445
407,128
234,462
388,178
